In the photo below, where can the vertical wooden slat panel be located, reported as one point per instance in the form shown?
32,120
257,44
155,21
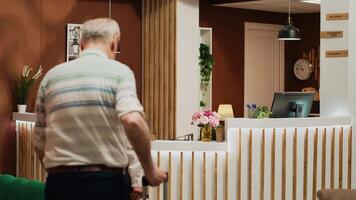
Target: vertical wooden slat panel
170,175
171,71
284,163
165,67
25,151
305,170
204,175
159,66
156,70
174,67
158,164
332,164
181,174
323,161
28,152
295,157
216,176
273,164
341,155
192,178
262,165
349,160
226,176
23,148
239,166
20,148
160,70
146,57
33,163
151,64
249,197
315,162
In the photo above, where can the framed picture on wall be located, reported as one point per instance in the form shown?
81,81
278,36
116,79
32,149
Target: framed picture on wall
73,40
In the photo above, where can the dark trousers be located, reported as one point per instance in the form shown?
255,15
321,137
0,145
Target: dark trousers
87,186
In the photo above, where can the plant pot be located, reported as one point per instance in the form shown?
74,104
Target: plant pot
21,108
251,113
206,134
219,132
204,86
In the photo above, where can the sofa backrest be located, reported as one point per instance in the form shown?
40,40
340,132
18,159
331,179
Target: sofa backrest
12,188
336,194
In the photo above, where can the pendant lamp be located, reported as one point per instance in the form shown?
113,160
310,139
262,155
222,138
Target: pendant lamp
289,32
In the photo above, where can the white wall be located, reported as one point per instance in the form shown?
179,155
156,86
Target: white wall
188,37
352,73
333,71
338,75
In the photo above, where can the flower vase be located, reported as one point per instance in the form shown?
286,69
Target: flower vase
206,134
21,108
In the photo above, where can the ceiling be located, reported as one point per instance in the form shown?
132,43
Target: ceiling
280,6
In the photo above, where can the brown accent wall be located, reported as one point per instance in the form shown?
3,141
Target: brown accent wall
34,33
309,24
228,49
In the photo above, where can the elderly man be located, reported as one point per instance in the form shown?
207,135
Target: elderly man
84,109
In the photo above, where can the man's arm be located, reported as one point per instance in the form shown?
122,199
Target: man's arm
130,113
39,137
135,169
138,133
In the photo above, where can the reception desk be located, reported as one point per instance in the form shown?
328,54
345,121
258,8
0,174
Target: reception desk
261,159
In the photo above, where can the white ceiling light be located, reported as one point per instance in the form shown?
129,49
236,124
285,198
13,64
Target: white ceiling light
311,1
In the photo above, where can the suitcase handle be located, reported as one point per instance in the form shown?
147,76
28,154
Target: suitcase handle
146,183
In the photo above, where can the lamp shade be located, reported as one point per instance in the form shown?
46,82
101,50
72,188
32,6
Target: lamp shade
289,32
226,111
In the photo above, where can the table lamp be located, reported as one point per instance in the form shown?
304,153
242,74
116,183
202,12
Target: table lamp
225,111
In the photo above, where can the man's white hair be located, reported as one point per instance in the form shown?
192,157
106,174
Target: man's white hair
100,29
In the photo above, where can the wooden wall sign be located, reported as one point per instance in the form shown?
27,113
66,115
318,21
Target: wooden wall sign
337,53
337,16
331,34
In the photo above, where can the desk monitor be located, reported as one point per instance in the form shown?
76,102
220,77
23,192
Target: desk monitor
292,104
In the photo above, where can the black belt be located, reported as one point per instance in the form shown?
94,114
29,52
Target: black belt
85,168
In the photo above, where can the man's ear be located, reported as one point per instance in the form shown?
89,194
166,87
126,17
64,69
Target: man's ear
81,46
115,44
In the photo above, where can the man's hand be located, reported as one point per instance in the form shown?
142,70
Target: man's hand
136,193
156,177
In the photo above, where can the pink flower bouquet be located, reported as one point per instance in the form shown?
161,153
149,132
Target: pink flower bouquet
206,118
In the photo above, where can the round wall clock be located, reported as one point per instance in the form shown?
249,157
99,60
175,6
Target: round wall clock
303,69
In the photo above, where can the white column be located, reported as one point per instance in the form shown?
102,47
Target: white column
352,77
338,75
334,71
188,37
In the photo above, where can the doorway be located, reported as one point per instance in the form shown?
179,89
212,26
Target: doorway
264,64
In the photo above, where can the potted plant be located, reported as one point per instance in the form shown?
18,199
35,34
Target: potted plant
206,62
207,120
22,84
259,112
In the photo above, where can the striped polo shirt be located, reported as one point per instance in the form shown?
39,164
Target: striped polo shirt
78,107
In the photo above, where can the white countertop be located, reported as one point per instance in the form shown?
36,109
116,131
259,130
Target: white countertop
173,145
250,123
287,122
161,145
